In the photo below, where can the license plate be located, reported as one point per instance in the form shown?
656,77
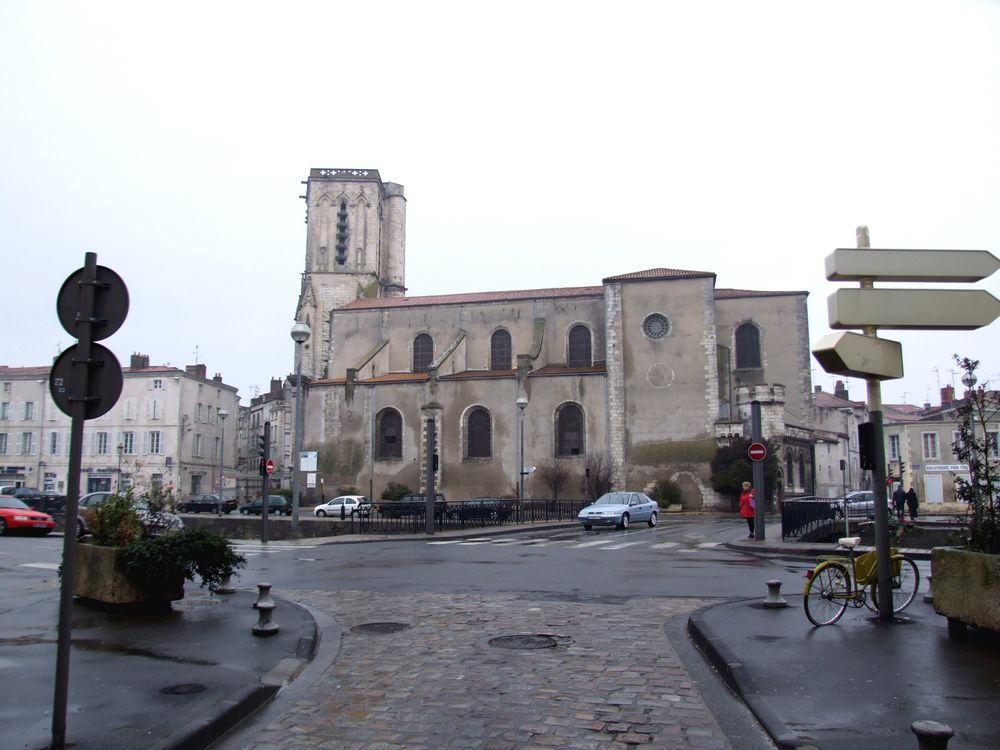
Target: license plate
40,525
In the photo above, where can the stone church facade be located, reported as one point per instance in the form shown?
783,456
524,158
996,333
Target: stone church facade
646,372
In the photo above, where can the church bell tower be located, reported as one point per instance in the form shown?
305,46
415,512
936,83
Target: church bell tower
355,247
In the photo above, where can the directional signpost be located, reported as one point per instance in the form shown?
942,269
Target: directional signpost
878,359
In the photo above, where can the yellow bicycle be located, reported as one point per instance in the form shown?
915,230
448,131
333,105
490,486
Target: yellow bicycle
838,581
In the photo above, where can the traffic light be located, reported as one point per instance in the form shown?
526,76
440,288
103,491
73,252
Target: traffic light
264,448
866,445
261,447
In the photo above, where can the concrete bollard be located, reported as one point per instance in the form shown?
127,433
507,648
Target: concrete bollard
265,607
931,735
226,587
774,598
929,596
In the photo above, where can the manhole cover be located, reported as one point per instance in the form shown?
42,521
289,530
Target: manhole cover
523,641
185,688
380,627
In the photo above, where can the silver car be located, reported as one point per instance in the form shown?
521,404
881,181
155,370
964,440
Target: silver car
154,523
619,509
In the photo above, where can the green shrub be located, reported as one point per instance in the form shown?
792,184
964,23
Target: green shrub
115,522
666,492
394,491
154,565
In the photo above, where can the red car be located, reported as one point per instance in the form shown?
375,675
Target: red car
15,515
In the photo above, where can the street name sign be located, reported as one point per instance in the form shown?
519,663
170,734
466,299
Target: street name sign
959,266
860,356
912,309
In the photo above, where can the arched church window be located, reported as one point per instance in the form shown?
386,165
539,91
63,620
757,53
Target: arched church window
579,354
569,430
500,350
478,428
389,435
423,353
747,346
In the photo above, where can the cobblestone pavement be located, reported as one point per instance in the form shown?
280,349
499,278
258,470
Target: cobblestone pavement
611,681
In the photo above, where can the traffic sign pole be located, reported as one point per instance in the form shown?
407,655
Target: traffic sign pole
757,472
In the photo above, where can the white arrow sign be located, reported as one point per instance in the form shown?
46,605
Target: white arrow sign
912,309
860,356
910,265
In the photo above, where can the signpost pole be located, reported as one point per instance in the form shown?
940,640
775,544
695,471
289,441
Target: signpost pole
266,483
759,533
884,563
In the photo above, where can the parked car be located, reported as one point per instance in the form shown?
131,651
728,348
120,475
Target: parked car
411,505
154,523
15,515
230,504
349,505
276,505
619,509
480,509
199,504
860,504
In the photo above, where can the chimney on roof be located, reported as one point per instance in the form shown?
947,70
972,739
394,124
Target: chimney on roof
217,377
817,389
276,387
139,361
840,391
947,395
198,371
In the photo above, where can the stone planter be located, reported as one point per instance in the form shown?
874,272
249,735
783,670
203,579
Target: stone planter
966,588
98,576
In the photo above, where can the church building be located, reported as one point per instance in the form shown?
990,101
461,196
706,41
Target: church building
644,373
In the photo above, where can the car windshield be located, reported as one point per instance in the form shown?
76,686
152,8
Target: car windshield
13,502
613,498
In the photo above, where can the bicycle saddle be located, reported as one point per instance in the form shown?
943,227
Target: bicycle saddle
849,541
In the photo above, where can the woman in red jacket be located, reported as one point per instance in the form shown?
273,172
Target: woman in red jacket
747,506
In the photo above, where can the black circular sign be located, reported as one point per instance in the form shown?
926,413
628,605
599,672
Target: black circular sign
110,303
104,382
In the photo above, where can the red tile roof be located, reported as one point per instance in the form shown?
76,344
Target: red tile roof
551,370
660,274
737,293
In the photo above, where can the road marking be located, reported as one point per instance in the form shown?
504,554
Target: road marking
594,543
265,547
664,545
708,545
43,566
623,545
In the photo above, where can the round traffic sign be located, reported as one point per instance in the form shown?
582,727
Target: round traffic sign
104,382
110,303
269,466
757,452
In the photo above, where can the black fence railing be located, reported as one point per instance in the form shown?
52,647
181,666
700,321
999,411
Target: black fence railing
807,515
464,515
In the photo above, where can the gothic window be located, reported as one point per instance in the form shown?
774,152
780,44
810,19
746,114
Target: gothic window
789,476
569,430
579,347
423,353
500,350
747,346
802,471
389,437
478,431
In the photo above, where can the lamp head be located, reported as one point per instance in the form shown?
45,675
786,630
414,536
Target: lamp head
522,403
301,332
223,413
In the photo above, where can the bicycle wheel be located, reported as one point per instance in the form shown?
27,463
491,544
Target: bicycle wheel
826,593
904,583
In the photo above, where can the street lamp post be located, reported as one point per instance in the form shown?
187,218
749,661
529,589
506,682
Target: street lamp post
300,334
522,404
222,457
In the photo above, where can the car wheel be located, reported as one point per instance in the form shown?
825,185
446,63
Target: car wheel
243,511
80,531
652,519
3,527
624,522
321,513
587,527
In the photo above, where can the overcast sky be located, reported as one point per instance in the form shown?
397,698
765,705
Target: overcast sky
541,144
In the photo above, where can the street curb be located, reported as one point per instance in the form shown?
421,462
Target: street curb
731,670
203,732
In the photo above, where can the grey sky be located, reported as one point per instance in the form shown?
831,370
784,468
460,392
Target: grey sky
540,144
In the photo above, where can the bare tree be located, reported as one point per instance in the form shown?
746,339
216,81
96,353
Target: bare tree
555,476
597,475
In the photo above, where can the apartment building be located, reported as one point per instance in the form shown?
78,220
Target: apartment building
168,429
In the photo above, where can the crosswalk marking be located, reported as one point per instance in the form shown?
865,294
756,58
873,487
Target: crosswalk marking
623,545
594,543
42,566
664,545
610,542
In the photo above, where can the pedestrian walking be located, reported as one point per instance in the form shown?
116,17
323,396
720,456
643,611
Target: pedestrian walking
899,501
912,503
748,505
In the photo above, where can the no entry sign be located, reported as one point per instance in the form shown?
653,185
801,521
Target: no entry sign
269,466
757,452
